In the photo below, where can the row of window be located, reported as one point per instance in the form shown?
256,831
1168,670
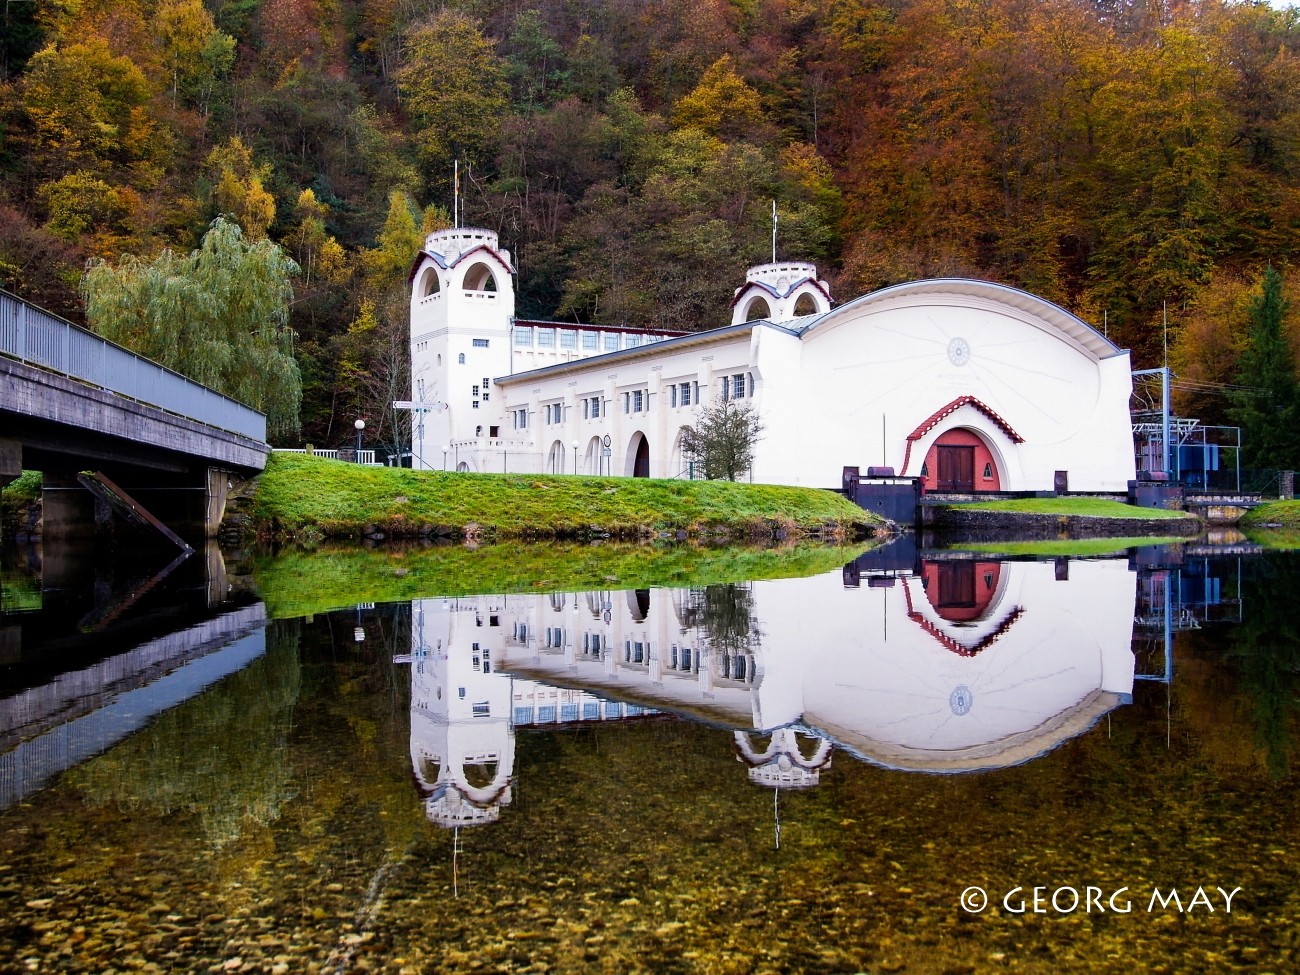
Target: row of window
526,336
737,386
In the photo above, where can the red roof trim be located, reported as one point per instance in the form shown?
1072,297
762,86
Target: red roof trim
938,415
735,300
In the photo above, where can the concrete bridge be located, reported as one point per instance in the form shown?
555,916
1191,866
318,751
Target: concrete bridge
71,403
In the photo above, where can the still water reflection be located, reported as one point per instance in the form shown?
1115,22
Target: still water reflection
714,778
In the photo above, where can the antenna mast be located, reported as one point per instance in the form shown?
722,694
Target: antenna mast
774,220
455,194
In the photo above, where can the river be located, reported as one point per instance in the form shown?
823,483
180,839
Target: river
927,762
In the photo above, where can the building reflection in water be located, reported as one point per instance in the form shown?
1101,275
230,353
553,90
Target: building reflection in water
942,665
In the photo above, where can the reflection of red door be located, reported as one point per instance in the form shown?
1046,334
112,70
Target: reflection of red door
956,586
956,468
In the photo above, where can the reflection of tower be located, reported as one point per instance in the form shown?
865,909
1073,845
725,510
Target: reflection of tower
782,765
462,745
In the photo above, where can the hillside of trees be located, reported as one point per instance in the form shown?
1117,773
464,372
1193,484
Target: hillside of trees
1129,159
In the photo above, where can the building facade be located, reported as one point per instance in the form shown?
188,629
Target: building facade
970,385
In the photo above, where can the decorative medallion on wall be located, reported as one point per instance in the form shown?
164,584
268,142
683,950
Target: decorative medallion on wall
959,351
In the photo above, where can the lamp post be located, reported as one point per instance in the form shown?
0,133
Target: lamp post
445,448
360,425
574,445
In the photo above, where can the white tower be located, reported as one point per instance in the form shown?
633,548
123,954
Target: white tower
462,307
779,292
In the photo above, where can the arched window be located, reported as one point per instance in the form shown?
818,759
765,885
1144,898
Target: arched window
461,358
480,278
806,304
429,283
757,309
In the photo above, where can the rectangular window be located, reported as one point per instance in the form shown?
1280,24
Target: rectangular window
672,395
475,390
494,433
586,409
523,715
546,338
632,342
546,714
686,394
480,343
738,386
611,341
568,339
521,419
627,402
523,335
595,407
638,401
591,340
475,404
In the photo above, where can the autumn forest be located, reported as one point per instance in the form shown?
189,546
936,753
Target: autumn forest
1137,161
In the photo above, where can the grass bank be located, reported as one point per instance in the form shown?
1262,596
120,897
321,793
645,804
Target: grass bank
309,497
1274,525
299,582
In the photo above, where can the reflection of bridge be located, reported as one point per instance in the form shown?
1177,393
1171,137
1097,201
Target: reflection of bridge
72,401
79,714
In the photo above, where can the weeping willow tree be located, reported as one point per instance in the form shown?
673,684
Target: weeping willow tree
218,315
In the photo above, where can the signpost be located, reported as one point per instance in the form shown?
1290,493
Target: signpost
418,410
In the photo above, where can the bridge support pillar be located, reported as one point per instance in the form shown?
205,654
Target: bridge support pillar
217,494
68,510
11,460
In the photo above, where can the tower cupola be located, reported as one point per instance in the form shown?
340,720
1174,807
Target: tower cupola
780,292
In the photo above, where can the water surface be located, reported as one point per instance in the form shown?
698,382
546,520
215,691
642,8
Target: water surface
781,775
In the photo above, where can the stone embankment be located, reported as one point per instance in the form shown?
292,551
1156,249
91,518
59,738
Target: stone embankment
1001,525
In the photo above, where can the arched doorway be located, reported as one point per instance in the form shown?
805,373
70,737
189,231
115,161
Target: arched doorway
960,460
638,456
555,459
591,459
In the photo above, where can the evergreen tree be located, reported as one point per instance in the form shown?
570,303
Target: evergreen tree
1268,411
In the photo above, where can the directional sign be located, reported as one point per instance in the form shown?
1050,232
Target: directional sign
406,404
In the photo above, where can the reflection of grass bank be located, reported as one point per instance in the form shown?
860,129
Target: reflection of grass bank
300,496
1274,525
299,582
1077,507
1064,547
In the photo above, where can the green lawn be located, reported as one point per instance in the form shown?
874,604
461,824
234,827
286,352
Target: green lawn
302,496
1081,507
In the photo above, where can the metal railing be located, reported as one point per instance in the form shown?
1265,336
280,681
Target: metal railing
365,457
38,338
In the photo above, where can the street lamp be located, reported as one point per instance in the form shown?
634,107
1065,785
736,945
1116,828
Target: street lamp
360,425
445,448
574,445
